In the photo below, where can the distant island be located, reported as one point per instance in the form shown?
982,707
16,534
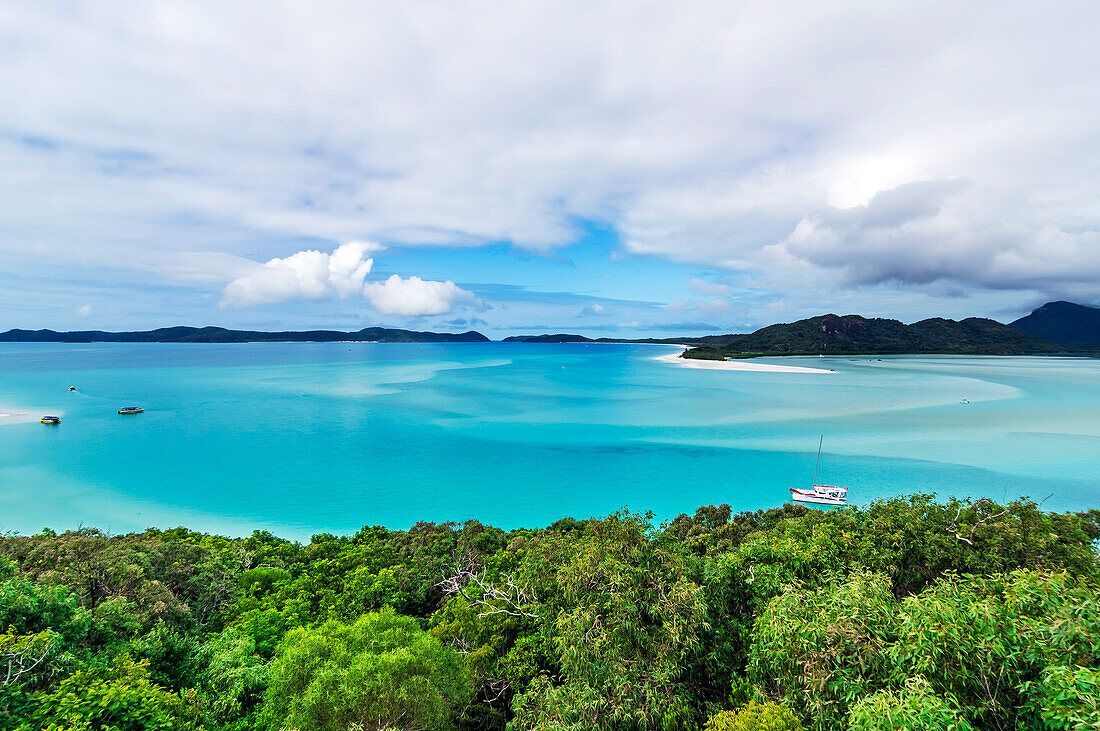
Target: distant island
1064,323
222,335
852,334
1052,328
714,340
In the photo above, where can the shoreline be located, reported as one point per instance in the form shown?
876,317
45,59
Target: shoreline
735,365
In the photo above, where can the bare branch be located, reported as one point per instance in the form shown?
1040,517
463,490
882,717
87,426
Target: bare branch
499,687
509,598
21,660
596,626
954,527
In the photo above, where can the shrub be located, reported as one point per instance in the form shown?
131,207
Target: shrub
755,716
916,707
382,672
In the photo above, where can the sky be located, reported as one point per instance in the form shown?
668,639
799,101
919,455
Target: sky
612,168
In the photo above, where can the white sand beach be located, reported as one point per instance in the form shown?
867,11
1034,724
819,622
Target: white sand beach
736,365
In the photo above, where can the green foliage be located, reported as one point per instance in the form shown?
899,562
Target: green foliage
914,541
627,619
120,696
916,707
261,579
381,672
1069,698
966,638
980,639
754,716
172,656
174,576
823,650
704,352
907,609
26,607
233,679
972,642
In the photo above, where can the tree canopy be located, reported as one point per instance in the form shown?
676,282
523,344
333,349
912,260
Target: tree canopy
928,614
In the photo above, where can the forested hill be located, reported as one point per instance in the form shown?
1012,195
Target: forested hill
906,613
855,334
222,335
1064,323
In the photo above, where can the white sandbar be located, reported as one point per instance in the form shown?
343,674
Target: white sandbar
735,365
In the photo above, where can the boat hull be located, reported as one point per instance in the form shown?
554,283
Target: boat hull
797,497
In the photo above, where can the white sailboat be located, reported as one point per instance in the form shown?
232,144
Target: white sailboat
820,494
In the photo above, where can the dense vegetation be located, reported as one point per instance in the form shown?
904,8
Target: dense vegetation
183,334
704,352
855,334
907,613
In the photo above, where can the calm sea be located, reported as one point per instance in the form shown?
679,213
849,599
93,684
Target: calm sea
301,438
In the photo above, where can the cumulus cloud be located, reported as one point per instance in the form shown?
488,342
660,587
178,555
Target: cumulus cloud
415,296
920,233
304,275
590,310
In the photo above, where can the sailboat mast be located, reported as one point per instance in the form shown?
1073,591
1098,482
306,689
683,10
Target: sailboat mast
818,462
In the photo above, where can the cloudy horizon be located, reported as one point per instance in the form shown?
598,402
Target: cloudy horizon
610,169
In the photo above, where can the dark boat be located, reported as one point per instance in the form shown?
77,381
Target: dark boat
50,419
131,410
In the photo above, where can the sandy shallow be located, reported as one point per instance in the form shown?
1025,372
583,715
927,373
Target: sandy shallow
736,365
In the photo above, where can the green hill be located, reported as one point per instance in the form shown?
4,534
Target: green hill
1064,323
855,334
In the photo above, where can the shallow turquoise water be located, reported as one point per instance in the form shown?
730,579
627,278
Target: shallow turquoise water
300,438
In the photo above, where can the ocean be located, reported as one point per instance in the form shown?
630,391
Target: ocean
302,438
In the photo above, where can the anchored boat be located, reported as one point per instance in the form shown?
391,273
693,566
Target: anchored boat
820,494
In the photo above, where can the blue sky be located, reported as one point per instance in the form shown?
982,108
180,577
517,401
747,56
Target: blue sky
611,170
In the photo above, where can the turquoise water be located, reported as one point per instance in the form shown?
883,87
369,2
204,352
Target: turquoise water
300,438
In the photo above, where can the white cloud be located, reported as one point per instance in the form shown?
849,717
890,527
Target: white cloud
415,296
160,133
922,233
590,310
305,275
84,310
710,307
712,289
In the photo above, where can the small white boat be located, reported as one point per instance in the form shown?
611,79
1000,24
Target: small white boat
820,494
